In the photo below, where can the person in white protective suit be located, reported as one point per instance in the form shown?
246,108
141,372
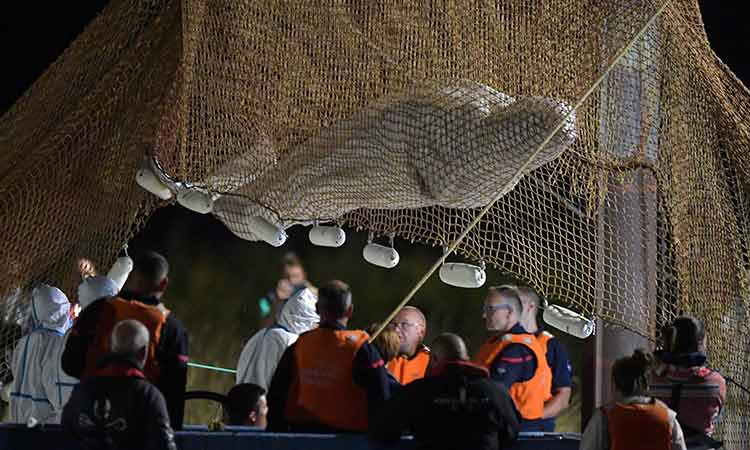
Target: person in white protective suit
262,352
96,288
40,388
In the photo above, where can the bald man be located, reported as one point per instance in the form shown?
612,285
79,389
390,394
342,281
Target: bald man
411,363
514,356
118,407
455,406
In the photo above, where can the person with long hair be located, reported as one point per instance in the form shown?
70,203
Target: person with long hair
388,344
634,420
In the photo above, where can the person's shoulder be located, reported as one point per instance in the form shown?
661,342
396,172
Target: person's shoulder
174,320
554,342
175,324
713,376
278,336
147,389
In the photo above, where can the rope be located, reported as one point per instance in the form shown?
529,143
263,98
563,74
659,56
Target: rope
215,368
452,247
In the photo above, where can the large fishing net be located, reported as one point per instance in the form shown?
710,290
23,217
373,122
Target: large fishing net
609,140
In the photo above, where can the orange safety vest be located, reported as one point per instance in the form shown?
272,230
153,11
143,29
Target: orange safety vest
406,369
115,310
530,395
638,425
543,338
323,390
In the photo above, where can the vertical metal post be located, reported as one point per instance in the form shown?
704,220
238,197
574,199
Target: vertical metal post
626,234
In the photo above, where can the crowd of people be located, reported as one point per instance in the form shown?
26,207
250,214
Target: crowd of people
117,372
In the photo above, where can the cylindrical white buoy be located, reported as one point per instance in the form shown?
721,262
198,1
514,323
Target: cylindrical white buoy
195,199
326,236
267,231
148,180
380,255
462,275
569,321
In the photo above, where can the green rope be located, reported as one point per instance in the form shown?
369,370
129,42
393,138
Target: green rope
205,366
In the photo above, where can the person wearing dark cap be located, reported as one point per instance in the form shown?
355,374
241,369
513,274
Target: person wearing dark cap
246,406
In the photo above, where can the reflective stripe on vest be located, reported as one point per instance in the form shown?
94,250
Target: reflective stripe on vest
407,370
530,395
115,310
543,338
637,425
323,390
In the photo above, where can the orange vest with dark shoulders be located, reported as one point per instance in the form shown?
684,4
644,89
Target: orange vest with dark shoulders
406,370
115,310
639,426
323,390
530,395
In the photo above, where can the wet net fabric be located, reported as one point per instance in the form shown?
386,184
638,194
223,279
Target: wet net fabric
405,118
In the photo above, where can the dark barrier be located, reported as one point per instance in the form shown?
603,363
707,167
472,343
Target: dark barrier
14,437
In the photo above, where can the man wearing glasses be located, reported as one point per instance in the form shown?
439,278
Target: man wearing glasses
513,356
411,364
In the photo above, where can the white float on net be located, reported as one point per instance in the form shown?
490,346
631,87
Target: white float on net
463,275
569,321
327,236
147,178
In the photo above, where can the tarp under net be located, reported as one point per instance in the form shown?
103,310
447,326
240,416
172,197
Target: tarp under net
612,137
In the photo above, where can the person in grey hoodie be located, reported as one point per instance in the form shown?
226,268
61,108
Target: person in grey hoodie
262,352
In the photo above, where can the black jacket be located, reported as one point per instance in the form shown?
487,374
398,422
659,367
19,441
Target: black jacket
118,409
460,408
172,354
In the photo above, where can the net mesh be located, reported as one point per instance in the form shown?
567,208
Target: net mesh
404,118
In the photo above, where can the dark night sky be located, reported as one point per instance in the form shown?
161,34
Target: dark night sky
32,36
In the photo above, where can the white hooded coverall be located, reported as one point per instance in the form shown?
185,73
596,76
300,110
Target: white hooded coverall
263,351
40,388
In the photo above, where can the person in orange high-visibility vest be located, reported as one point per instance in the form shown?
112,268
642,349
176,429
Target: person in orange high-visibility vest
557,358
139,299
413,358
513,356
633,420
331,379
